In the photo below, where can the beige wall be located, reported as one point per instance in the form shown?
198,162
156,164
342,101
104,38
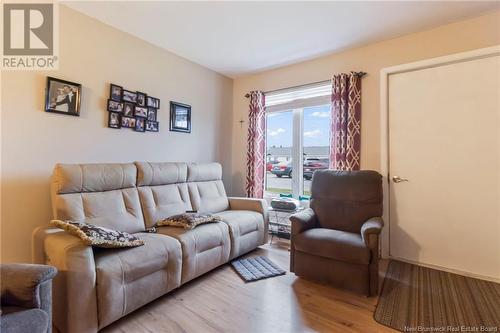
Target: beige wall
457,37
95,55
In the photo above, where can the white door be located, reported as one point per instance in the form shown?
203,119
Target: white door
444,138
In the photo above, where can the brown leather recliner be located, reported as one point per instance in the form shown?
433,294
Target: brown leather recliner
337,239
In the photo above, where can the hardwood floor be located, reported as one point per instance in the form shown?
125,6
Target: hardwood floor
221,302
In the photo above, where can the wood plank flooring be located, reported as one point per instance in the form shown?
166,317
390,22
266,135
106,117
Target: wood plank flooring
221,302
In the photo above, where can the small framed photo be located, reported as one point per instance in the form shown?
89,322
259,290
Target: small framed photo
180,117
141,112
152,126
62,96
115,106
128,122
115,92
128,109
152,114
141,99
129,96
140,124
114,120
153,102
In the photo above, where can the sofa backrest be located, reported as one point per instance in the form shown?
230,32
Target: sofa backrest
100,194
344,200
163,190
206,189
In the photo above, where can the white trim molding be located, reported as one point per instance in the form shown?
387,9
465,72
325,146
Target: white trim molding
384,129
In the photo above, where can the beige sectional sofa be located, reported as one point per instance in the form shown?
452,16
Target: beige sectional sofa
95,287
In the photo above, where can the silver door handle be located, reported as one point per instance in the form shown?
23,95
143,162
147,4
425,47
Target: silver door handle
398,179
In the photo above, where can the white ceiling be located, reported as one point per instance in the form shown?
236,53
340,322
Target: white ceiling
238,38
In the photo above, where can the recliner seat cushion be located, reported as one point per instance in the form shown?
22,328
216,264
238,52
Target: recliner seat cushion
130,278
246,229
20,320
333,244
203,248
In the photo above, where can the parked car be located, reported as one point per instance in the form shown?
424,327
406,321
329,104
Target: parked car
282,170
270,164
312,165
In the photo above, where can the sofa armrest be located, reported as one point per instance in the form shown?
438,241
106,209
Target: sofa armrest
21,284
371,229
74,288
303,221
255,205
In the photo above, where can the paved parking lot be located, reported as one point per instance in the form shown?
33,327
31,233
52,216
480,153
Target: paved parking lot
284,184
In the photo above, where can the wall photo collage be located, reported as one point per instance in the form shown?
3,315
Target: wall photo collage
132,109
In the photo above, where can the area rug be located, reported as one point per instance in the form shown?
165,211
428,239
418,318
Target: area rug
256,268
420,299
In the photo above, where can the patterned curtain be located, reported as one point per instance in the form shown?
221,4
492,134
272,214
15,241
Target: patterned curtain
256,145
345,123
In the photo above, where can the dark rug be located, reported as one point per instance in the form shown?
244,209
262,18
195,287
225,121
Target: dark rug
256,268
420,299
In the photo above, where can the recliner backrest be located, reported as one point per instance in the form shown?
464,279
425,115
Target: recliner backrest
100,194
163,190
206,189
344,200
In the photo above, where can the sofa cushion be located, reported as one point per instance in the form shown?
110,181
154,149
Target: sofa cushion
20,320
189,220
130,278
160,173
159,202
246,229
98,236
203,248
333,244
206,189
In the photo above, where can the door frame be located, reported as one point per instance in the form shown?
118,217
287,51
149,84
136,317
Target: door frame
384,128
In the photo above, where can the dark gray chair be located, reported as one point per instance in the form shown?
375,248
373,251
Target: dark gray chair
26,298
336,240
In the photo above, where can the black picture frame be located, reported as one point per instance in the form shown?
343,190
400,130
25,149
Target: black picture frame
141,111
67,101
141,99
128,109
115,92
180,117
114,106
129,96
114,120
152,126
153,102
152,114
140,124
128,122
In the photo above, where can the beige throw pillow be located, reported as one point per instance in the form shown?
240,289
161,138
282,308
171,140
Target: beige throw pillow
189,220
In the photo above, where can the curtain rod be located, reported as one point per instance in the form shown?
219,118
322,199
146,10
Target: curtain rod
360,74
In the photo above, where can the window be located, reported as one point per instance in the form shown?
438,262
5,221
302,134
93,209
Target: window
297,140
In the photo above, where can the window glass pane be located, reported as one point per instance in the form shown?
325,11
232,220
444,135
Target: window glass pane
316,141
279,153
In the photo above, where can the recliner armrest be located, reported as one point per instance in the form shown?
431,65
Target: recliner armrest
371,227
20,283
256,205
303,221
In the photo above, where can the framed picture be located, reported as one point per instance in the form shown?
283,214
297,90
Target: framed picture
115,106
141,112
152,126
62,96
128,122
153,102
152,114
141,99
129,96
180,117
128,109
114,120
115,92
140,124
